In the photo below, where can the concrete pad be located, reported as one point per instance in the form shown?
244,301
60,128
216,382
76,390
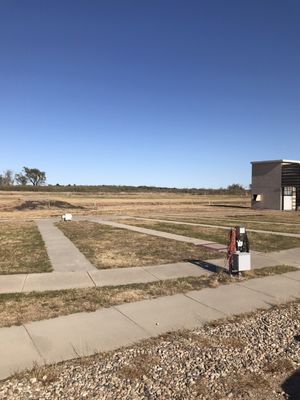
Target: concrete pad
12,283
277,286
293,275
83,334
17,351
178,270
215,246
63,254
121,276
231,299
57,281
168,313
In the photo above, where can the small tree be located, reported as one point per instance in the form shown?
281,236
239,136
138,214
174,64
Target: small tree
35,176
21,179
7,178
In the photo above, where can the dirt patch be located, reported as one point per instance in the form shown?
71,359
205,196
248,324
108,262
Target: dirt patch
44,204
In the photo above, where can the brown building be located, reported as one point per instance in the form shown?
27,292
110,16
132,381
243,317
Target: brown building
276,184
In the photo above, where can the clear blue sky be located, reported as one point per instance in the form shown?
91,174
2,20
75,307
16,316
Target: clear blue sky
149,92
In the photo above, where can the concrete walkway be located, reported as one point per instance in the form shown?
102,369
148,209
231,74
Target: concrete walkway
22,283
166,235
66,258
63,254
296,235
260,260
82,334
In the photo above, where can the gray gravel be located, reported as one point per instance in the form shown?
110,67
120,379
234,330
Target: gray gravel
245,358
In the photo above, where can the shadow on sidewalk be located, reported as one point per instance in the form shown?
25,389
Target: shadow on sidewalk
208,266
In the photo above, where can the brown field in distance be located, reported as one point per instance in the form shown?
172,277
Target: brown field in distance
28,205
43,204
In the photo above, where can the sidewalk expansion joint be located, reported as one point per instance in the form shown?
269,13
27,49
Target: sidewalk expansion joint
257,291
32,341
206,305
75,351
293,279
132,321
151,273
24,283
91,278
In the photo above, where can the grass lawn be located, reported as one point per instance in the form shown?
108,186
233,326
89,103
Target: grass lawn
18,308
278,227
258,241
108,247
22,249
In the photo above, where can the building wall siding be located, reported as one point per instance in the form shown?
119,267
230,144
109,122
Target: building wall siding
266,181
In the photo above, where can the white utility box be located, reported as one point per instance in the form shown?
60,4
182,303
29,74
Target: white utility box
66,217
241,261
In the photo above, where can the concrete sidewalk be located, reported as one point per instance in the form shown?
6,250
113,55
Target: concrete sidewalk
166,235
82,334
296,235
23,283
63,254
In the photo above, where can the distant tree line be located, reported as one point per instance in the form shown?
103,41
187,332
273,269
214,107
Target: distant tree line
32,179
28,176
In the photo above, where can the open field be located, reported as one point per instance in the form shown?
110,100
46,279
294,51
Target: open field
259,241
107,247
253,356
232,213
22,249
20,205
19,308
43,204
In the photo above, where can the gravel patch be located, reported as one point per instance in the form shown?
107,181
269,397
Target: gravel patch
254,356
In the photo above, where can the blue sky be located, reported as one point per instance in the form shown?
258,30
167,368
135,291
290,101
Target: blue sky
153,92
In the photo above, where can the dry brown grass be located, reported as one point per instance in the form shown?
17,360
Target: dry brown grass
19,308
22,249
108,203
278,227
108,247
263,242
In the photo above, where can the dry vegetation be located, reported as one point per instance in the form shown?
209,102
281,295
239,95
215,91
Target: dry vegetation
259,225
43,204
152,204
22,249
259,241
19,308
108,247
